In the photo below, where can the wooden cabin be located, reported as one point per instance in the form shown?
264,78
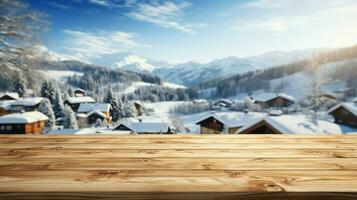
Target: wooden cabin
94,116
144,127
23,123
79,92
27,104
212,125
75,102
223,103
9,96
260,127
269,100
225,122
345,113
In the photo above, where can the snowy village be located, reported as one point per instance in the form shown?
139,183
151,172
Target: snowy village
178,99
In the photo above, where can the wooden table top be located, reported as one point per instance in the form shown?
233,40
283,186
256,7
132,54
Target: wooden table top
140,166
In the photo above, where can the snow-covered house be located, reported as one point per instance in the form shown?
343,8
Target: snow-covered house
74,102
272,100
88,114
8,96
225,122
141,127
85,108
23,123
222,103
292,124
79,92
345,113
5,107
26,104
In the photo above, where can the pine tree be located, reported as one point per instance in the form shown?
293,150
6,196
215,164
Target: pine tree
46,108
69,119
51,91
117,108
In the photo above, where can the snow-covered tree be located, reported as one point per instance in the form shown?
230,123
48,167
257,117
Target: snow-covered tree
46,108
117,108
51,91
69,119
315,99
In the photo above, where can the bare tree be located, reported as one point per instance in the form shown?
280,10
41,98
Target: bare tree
19,31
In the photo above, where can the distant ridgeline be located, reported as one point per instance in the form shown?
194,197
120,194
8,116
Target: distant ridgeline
260,79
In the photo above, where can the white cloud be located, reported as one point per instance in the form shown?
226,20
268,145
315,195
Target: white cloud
275,25
267,3
87,45
166,14
292,16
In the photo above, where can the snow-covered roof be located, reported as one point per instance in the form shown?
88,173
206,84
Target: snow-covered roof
200,101
96,112
263,97
299,124
6,104
79,90
352,107
13,95
23,118
28,101
146,127
234,119
223,101
87,107
86,99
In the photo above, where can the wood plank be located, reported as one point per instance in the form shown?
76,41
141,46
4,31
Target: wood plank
178,181
178,153
246,146
210,195
183,136
179,164
159,140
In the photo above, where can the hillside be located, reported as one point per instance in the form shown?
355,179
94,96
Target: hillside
280,77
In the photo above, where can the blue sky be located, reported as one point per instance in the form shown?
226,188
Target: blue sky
200,30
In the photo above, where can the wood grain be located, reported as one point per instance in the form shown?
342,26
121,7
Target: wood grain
178,167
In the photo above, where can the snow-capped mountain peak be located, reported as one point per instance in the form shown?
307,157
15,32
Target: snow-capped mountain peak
135,63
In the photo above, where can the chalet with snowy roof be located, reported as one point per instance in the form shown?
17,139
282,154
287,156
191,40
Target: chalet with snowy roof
141,127
345,113
8,96
225,122
271,100
74,102
79,92
5,107
293,124
23,123
89,114
27,104
86,108
222,103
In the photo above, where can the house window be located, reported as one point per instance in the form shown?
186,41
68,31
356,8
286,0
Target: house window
8,127
2,127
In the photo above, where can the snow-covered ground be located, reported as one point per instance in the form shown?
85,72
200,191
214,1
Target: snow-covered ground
136,85
60,76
